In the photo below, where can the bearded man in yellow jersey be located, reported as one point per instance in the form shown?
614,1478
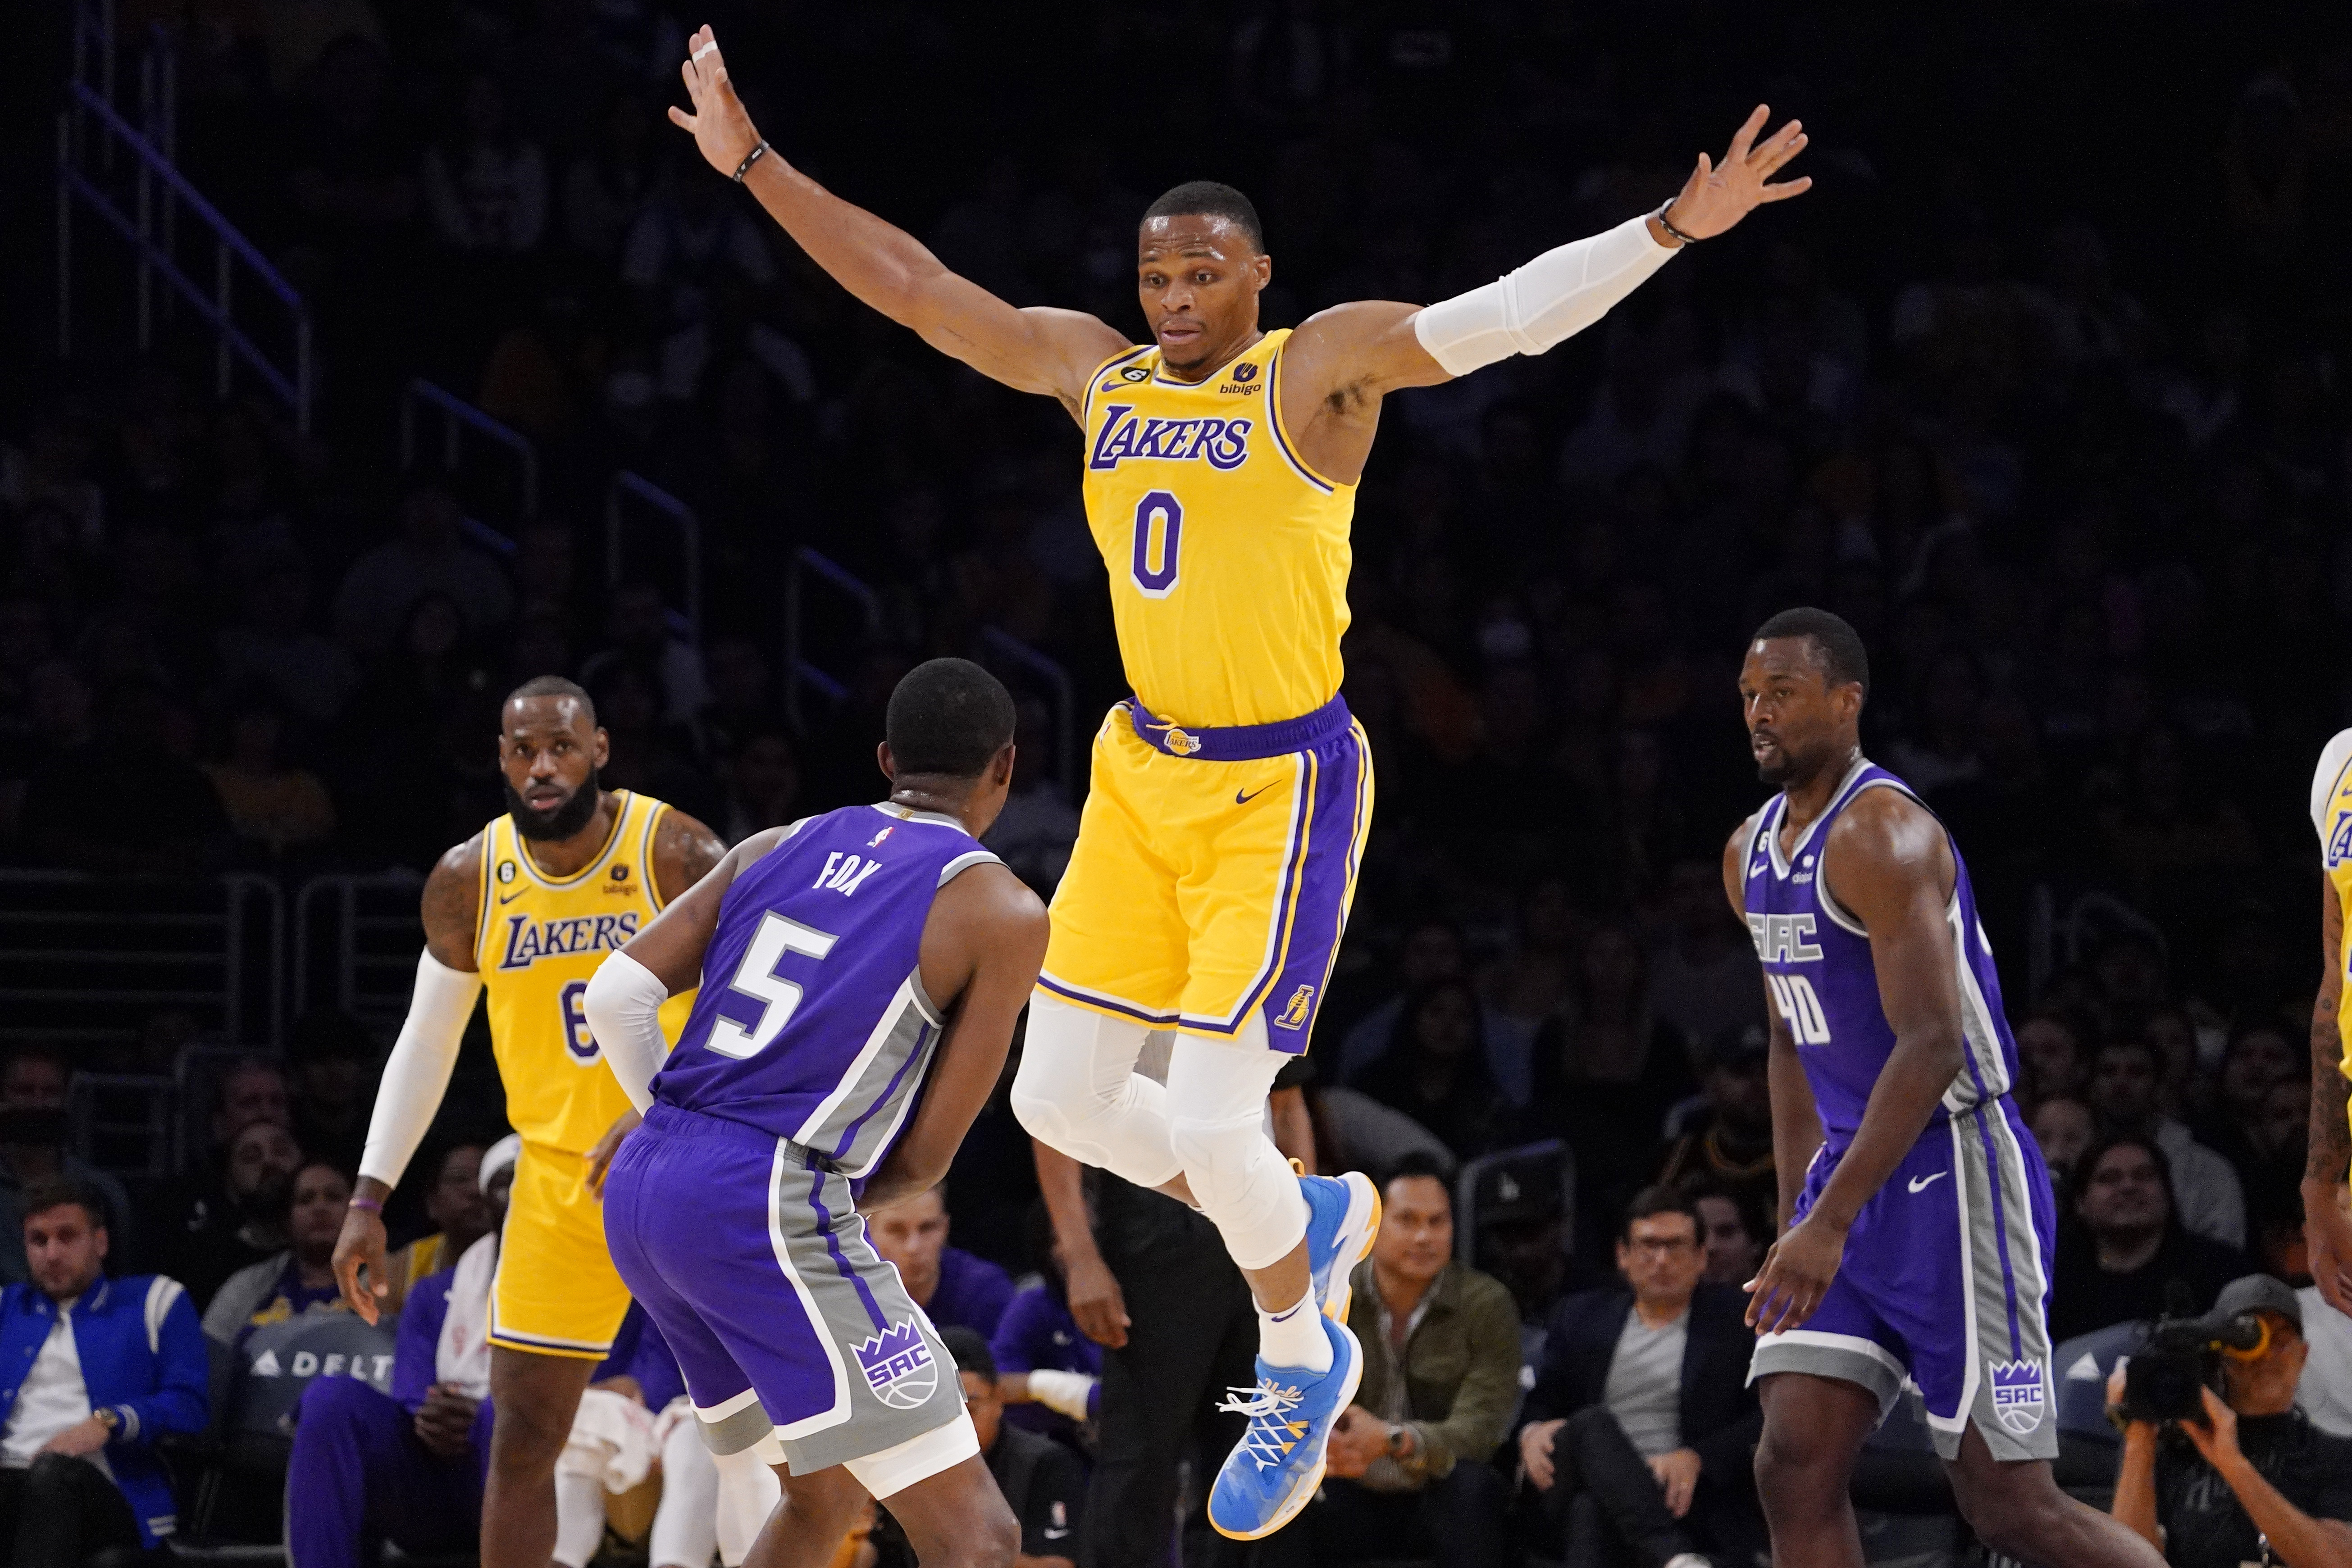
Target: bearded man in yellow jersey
2327,1231
527,908
1216,858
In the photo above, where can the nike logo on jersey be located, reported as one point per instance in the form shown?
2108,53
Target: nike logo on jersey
1921,1184
1242,800
510,897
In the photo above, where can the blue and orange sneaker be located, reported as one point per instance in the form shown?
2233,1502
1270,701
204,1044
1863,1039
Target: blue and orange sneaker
1343,1216
1274,1470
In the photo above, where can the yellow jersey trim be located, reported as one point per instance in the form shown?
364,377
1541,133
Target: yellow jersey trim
489,837
645,856
612,837
1281,434
1087,403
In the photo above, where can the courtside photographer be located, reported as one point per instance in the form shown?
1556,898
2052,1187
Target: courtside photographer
2220,1469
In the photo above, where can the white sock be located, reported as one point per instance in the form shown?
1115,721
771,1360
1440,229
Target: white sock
1294,1338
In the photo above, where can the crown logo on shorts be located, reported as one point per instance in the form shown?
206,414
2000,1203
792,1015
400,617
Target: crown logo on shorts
2020,1394
898,1367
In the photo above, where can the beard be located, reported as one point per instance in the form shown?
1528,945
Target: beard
1777,773
563,822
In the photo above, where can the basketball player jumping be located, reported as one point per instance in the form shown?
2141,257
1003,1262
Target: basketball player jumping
1920,1220
530,906
1217,855
2327,1228
865,968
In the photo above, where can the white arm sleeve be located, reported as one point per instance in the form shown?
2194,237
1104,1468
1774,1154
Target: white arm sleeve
624,1007
418,1073
1544,303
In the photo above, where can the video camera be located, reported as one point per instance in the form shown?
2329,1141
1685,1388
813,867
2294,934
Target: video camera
2165,1378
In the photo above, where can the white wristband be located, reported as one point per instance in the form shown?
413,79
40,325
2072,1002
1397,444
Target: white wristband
1546,302
1064,1393
416,1074
624,1007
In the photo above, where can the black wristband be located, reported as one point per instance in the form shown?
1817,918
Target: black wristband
1664,222
761,150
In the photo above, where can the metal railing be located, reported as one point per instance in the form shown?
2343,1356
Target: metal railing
627,487
355,945
93,139
457,418
809,565
1058,685
93,960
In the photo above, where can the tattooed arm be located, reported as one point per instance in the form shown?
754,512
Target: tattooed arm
2327,1231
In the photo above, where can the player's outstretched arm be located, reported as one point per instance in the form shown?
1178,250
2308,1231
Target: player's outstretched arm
1035,350
983,946
1346,358
416,1074
1889,862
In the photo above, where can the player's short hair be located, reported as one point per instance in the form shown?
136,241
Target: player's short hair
1842,656
970,1353
1207,198
1653,1201
948,717
556,686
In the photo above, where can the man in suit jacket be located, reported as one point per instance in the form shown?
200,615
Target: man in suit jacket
1641,1429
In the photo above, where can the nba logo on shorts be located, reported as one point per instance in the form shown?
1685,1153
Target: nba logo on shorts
2019,1394
898,1367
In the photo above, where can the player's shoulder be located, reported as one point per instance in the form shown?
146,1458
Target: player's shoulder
2331,783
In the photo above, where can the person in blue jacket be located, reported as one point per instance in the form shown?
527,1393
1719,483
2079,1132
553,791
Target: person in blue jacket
92,1372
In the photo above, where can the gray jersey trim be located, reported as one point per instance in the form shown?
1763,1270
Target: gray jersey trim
880,1084
964,862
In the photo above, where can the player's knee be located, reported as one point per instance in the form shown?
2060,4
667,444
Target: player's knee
2013,1516
994,1537
1220,1158
526,1434
1038,1106
1798,1473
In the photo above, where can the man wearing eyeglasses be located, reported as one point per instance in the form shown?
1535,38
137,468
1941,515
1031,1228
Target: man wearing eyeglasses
1640,1426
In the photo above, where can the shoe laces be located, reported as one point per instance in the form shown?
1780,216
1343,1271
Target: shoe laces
1272,1433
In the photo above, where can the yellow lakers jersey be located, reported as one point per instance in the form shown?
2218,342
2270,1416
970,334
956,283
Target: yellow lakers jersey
540,940
2331,813
1228,554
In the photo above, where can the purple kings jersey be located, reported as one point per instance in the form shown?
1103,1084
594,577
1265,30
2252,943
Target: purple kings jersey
1818,965
811,1024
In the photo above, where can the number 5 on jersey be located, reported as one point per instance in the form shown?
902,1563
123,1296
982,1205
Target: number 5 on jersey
756,979
1793,995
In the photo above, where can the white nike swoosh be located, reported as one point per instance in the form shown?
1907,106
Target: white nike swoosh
1920,1184
1056,1534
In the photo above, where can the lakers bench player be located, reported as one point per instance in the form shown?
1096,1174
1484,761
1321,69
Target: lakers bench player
1217,853
526,908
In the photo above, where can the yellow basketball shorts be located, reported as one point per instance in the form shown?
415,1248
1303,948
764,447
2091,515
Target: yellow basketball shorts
557,1293
1214,873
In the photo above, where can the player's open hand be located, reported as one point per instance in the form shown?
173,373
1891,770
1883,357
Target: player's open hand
1717,195
361,1246
721,126
1796,1275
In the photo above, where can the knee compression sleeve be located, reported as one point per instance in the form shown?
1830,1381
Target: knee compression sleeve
1079,1092
1216,1120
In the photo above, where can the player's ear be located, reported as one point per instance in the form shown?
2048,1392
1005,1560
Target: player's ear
999,771
1263,268
883,760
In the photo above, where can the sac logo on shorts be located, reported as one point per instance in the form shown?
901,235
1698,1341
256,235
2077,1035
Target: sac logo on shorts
2020,1395
898,1367
1295,1010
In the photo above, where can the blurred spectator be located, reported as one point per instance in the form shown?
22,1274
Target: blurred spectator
2050,1051
461,1216
1427,951
1408,1471
2063,1129
97,1369
637,632
272,805
333,1060
301,1278
2126,1247
33,1128
952,1286
763,785
2206,1194
1608,1070
244,1222
609,185
275,650
1037,1335
1730,1143
1038,825
1703,976
486,186
1532,985
429,558
124,801
1434,1069
1043,1483
1642,1424
1736,1233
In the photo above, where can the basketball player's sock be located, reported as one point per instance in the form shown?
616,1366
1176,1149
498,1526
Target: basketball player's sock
1294,1336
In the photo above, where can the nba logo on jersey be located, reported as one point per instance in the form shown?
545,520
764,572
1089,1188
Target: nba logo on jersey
1296,1011
2019,1394
898,1367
